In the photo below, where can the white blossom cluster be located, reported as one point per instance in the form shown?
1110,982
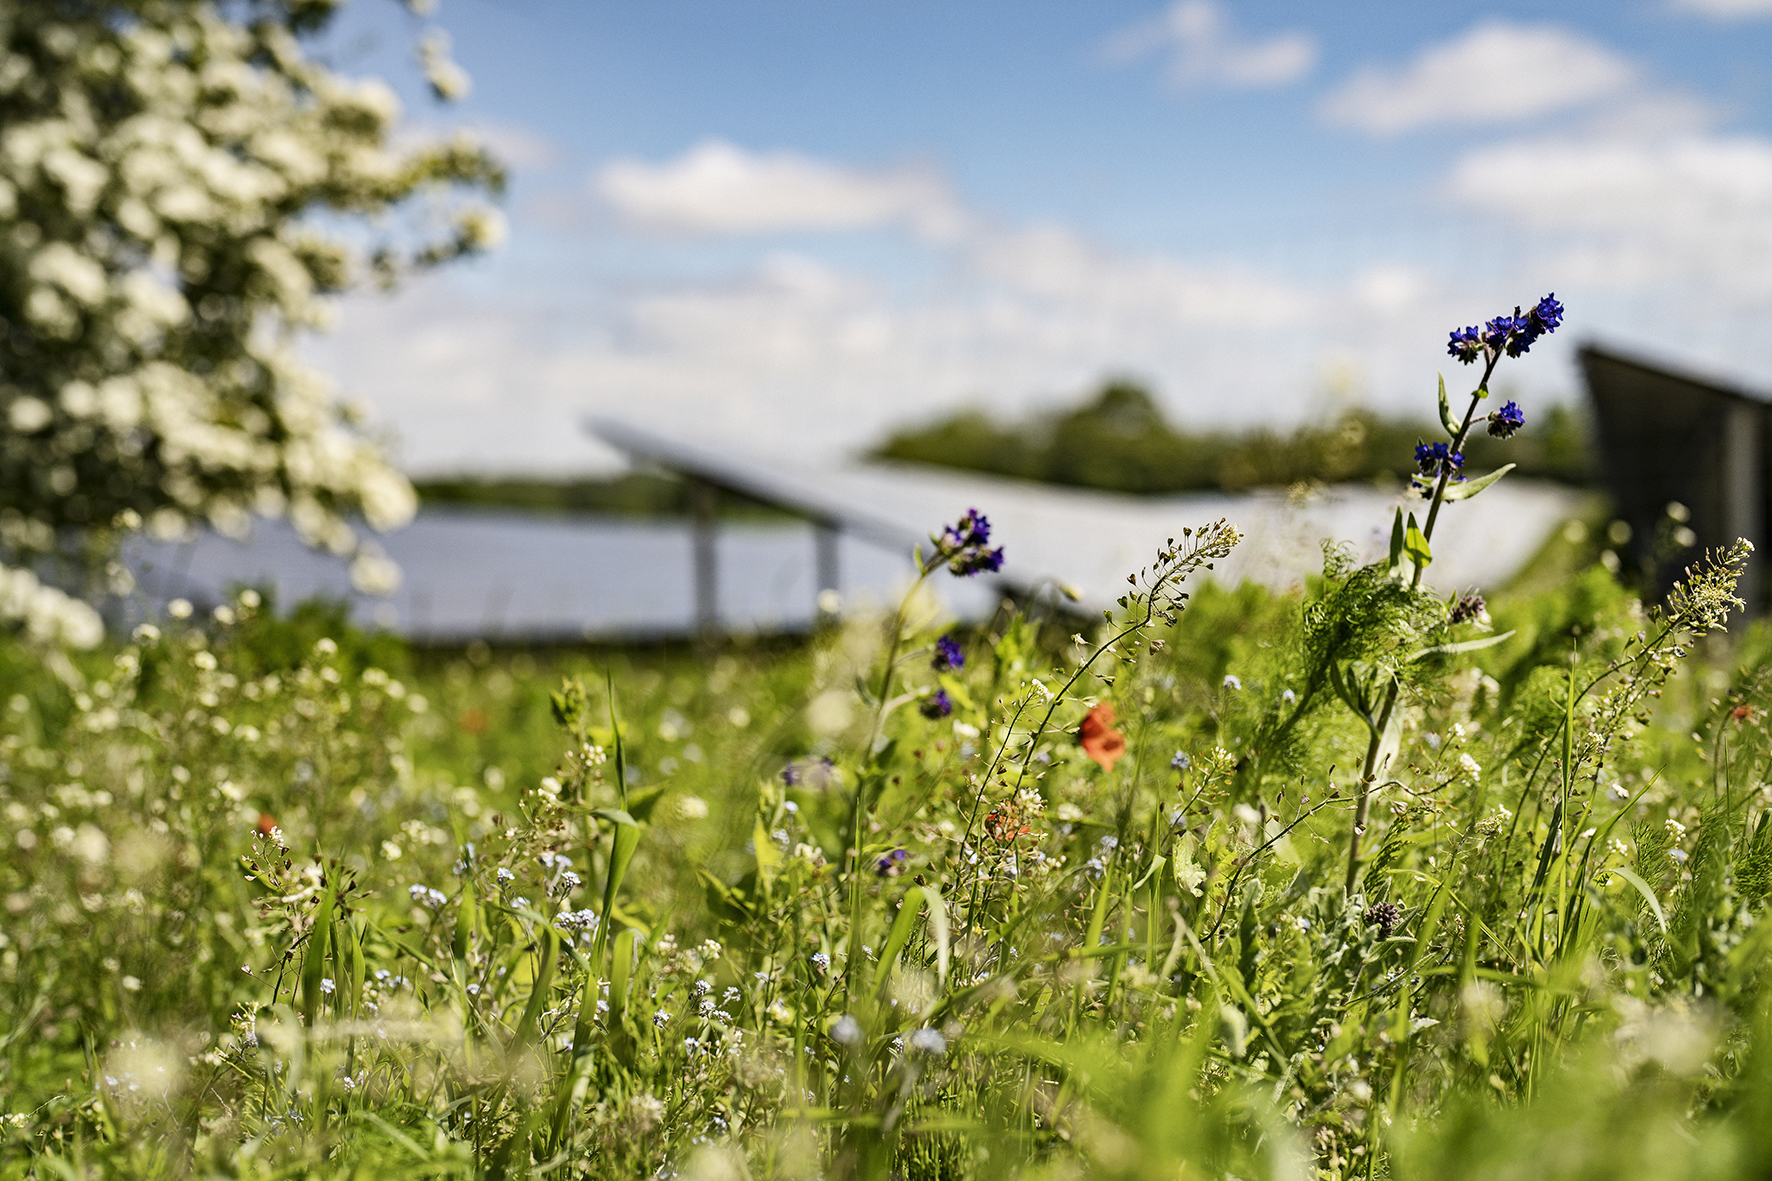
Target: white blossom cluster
48,615
180,193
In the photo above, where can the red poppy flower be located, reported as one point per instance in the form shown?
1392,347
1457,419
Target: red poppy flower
1100,740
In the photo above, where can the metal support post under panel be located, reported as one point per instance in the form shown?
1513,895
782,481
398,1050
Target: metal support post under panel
1742,493
829,591
704,505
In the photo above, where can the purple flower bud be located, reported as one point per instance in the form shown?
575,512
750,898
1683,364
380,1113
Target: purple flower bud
937,705
948,654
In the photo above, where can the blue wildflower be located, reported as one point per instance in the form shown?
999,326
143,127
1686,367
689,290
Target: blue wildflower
1547,316
937,705
1181,762
948,654
1504,422
892,864
1497,331
790,775
1465,344
1512,335
1435,458
965,546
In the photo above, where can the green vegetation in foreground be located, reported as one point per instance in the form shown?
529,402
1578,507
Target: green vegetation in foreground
285,903
1120,441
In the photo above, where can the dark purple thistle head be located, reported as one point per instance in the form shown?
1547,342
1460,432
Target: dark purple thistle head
1469,607
1385,916
937,705
1509,419
948,654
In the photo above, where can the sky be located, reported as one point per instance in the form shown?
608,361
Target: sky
792,226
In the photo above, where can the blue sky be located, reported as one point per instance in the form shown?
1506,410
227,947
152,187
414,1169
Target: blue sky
792,225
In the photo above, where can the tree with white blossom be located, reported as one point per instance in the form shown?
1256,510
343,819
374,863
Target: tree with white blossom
183,191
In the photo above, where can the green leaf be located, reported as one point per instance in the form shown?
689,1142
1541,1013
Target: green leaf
1470,488
1446,419
1415,544
464,922
1476,645
314,967
768,856
620,971
915,899
1396,539
1643,889
627,839
548,954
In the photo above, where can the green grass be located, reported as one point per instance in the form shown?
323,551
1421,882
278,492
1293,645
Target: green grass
1550,964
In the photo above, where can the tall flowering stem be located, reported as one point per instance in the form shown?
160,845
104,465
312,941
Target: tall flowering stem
1503,336
964,548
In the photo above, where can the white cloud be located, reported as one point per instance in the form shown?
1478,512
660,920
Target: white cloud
797,352
1204,50
1498,72
1687,212
1724,9
718,188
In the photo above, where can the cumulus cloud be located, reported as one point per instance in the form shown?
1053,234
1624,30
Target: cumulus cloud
1203,49
795,351
718,188
1498,72
1724,9
1646,213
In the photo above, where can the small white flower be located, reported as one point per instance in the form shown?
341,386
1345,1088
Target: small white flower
929,1041
847,1031
326,985
1232,681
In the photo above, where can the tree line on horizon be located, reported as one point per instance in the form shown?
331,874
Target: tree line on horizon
1116,439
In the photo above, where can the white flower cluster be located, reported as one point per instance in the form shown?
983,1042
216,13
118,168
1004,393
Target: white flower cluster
167,181
46,614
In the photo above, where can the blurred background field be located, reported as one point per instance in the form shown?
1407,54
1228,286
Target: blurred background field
489,686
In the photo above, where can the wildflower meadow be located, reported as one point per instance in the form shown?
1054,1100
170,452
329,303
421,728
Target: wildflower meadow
1367,880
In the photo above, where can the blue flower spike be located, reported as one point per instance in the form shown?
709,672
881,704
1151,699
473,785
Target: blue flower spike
1512,335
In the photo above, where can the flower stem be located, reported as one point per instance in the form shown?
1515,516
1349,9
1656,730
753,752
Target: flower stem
1369,768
